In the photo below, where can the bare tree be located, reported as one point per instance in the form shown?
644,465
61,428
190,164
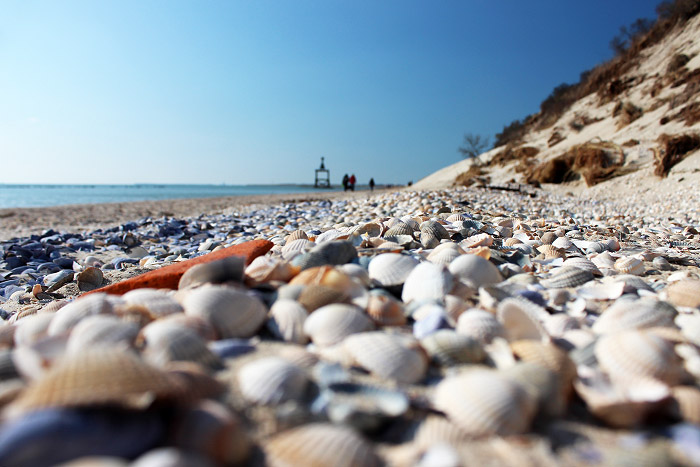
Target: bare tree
473,145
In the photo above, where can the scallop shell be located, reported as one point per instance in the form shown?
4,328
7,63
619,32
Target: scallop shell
157,302
384,309
428,240
436,229
101,376
320,444
635,355
427,281
551,252
445,253
232,313
391,269
296,247
629,265
101,330
89,279
567,276
313,297
171,342
71,314
330,324
475,270
230,269
634,314
287,321
388,356
456,217
485,403
399,228
480,325
521,319
271,380
296,235
582,263
446,347
684,293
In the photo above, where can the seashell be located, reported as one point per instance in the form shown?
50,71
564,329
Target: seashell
332,277
551,252
611,244
482,239
101,330
428,240
58,279
71,314
399,228
388,356
475,270
436,229
521,319
559,324
296,247
156,302
384,309
690,327
287,321
232,313
567,276
296,235
541,384
512,241
316,296
172,342
447,348
629,265
445,253
361,406
582,263
101,376
32,328
662,264
634,314
548,237
56,305
330,235
427,281
229,269
635,355
265,269
564,243
480,325
607,291
89,279
329,253
686,403
436,429
372,229
57,436
485,403
684,293
271,381
320,444
211,429
391,269
195,381
330,324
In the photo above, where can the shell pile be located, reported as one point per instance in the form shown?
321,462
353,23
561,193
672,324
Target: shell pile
413,328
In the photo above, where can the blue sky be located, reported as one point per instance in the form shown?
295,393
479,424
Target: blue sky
257,91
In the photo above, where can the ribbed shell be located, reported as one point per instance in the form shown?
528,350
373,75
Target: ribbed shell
448,348
157,302
295,247
583,263
271,380
511,241
445,253
384,309
567,276
32,328
521,319
267,268
485,403
320,445
630,265
287,321
372,229
390,269
634,314
101,376
438,429
685,293
428,240
427,281
475,270
399,228
330,324
480,325
482,239
563,243
541,384
101,330
89,279
436,229
456,217
232,313
329,276
548,238
296,235
388,356
551,252
171,342
313,297
551,357
71,314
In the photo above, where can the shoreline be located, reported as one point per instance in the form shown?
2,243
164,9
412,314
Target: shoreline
23,222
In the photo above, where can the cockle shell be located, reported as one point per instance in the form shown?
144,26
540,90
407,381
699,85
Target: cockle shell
511,241
636,355
564,243
296,247
395,357
446,347
384,309
583,263
521,319
313,297
334,252
684,293
71,314
267,268
271,380
551,252
427,281
548,238
320,444
330,324
438,429
480,325
567,276
399,228
332,277
485,403
232,313
436,229
296,235
428,240
330,235
156,302
32,328
475,270
101,376
287,321
456,217
391,269
481,239
629,265
445,253
230,269
171,342
634,314
101,330
372,229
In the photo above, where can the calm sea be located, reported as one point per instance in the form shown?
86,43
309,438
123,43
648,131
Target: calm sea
24,196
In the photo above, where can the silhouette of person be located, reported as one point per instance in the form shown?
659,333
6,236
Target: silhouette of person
345,182
352,181
371,184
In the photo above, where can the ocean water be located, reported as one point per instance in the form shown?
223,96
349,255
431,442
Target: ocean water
24,196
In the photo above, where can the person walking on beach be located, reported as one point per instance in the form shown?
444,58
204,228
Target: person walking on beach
345,182
352,181
371,184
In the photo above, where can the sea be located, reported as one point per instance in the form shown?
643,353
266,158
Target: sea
27,196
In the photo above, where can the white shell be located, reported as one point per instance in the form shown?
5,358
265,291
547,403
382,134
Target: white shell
169,341
634,314
330,324
390,269
475,270
480,325
427,281
101,330
630,265
388,356
271,380
71,314
445,253
32,328
157,302
287,320
521,319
